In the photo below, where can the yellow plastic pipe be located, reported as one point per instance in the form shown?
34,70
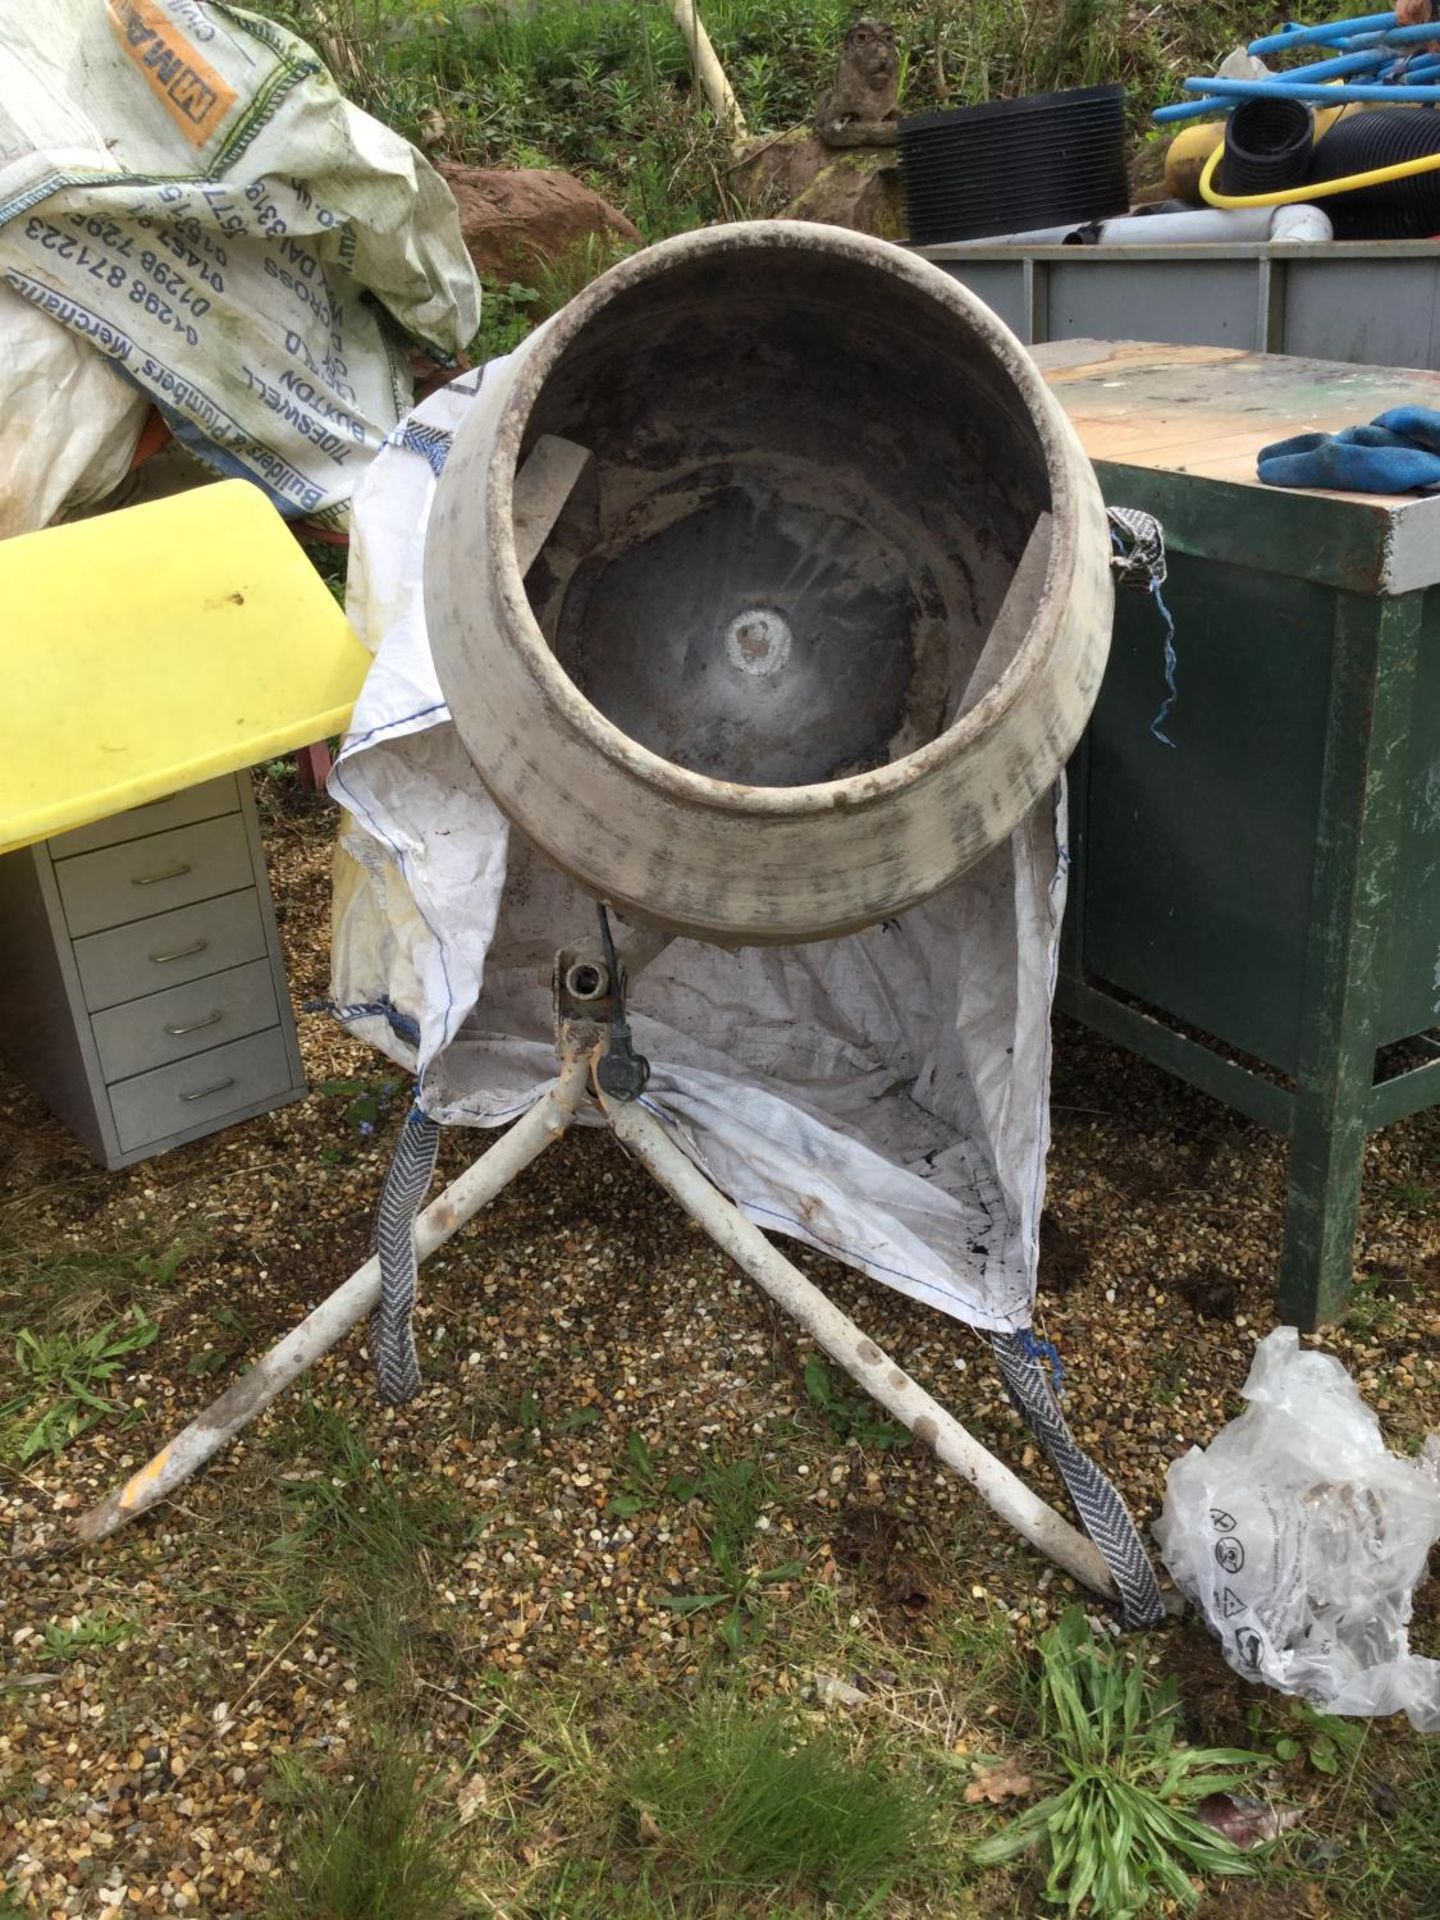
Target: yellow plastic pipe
1187,154
1316,189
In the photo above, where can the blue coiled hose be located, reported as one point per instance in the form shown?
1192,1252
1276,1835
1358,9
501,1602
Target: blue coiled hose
1373,45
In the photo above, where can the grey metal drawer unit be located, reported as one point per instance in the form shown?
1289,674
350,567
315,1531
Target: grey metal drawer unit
142,993
205,802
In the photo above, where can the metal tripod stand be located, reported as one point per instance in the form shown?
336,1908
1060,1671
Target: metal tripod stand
599,1068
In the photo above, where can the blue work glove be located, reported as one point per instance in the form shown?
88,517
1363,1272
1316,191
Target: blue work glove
1400,453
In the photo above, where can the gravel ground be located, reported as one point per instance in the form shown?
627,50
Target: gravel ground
139,1776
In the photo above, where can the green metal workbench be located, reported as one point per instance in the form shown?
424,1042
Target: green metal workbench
1268,887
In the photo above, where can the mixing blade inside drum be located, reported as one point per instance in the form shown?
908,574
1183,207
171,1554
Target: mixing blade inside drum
756,639
798,526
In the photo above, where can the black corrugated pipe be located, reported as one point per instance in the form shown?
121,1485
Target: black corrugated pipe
1377,219
1268,145
1399,210
1010,166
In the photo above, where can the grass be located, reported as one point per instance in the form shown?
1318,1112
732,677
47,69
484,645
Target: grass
375,1844
645,1800
605,91
1169,1376
695,1788
668,1811
698,1790
77,1289
1417,1199
373,1838
330,1537
1371,1308
348,1519
672,1798
1390,1863
726,1803
738,1804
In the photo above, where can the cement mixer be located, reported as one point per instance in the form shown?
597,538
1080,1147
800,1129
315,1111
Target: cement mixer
730,624
825,612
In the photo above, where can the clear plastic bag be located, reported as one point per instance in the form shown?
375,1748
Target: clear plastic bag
1302,1538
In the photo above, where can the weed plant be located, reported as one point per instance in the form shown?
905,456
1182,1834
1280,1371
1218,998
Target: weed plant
1122,1832
61,1377
734,1494
850,1414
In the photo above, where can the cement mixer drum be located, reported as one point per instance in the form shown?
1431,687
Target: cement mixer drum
826,603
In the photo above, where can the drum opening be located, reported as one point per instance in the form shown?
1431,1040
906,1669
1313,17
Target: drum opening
811,482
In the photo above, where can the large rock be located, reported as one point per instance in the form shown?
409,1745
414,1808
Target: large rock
795,176
511,218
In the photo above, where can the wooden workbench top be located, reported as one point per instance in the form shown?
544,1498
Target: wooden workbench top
1202,414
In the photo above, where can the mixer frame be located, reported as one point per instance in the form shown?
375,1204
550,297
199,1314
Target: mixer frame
599,1071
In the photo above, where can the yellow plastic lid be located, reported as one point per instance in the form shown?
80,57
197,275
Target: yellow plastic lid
151,648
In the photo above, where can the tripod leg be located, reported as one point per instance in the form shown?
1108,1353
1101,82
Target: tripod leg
875,1371
333,1318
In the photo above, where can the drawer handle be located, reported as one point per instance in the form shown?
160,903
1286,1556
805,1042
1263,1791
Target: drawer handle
154,879
204,1093
180,953
195,1026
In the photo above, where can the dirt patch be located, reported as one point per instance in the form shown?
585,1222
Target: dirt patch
1064,1257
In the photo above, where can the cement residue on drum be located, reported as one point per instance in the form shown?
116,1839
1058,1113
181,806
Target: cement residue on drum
807,631
759,643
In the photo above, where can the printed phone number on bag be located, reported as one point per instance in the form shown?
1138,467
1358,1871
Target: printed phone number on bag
182,233
112,235
118,277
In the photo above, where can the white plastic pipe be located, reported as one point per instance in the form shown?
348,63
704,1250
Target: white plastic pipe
333,1318
1310,225
708,70
848,1347
1194,226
